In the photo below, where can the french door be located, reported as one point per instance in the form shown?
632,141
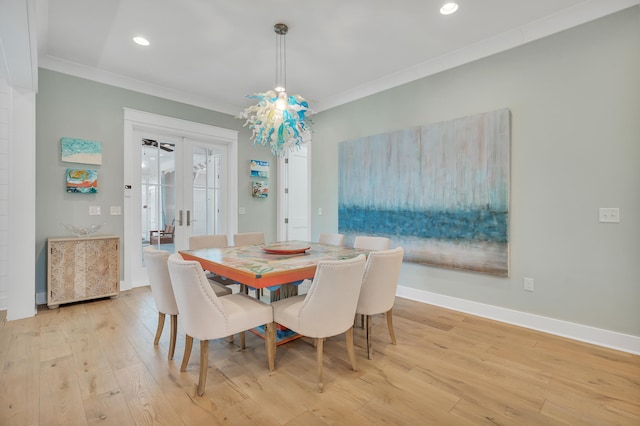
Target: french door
178,183
182,190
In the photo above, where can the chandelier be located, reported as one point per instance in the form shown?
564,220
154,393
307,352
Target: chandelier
277,121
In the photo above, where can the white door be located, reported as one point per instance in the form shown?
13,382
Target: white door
294,190
178,175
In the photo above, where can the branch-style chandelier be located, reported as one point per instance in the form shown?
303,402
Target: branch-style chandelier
278,119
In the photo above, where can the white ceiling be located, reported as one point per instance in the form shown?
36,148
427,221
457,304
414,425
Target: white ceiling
212,53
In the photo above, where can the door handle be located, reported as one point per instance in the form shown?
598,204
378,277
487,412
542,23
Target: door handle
180,218
188,217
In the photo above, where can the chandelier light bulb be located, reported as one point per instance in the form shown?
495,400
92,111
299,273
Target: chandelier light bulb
281,103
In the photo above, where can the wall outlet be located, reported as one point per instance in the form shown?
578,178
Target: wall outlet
94,210
528,284
609,215
116,210
319,211
241,210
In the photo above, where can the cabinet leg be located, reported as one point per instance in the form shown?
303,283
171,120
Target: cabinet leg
53,306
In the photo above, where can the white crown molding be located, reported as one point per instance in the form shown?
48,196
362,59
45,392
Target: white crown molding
583,333
568,18
112,79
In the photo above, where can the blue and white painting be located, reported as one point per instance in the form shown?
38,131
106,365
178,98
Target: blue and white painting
81,151
440,191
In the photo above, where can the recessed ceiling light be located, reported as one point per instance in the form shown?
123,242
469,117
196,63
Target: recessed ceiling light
449,8
141,41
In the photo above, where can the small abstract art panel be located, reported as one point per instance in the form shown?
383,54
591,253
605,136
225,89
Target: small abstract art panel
81,151
82,181
440,191
260,188
259,168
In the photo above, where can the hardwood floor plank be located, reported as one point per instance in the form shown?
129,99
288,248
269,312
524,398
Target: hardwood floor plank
20,379
60,393
109,408
146,401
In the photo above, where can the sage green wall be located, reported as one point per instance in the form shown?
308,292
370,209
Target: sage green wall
68,106
575,104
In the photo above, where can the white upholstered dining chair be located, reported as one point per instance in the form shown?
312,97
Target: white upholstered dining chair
197,242
371,243
328,307
206,316
162,291
248,239
332,239
378,292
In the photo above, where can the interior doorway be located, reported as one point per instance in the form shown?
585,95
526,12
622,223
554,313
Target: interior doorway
180,180
294,195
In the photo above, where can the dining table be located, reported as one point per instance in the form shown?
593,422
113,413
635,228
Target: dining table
278,266
268,265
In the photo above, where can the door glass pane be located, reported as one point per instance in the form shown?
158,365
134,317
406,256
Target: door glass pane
158,186
206,191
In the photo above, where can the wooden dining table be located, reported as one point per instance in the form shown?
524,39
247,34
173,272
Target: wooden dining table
276,266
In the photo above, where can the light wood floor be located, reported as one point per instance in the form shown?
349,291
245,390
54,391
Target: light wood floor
95,363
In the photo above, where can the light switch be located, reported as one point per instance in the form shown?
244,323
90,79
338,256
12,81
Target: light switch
241,210
609,215
94,210
116,210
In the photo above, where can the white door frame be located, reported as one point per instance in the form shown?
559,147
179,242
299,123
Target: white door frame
135,120
283,196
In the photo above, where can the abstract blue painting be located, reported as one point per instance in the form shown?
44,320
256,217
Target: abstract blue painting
441,191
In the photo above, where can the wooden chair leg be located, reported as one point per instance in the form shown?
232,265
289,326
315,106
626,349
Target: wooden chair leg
319,345
350,350
204,365
174,334
390,325
270,343
188,344
369,325
159,329
242,340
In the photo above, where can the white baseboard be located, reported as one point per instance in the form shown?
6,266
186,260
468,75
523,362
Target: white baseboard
583,333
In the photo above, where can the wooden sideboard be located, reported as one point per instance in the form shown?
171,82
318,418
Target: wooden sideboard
82,268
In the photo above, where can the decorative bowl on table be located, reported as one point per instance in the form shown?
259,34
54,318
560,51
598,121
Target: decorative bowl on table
80,232
286,248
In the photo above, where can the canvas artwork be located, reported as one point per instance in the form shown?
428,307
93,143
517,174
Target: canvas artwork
259,168
82,181
259,188
81,151
440,191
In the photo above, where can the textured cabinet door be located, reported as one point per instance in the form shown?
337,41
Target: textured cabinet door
82,268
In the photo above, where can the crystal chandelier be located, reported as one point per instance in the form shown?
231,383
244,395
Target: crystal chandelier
278,119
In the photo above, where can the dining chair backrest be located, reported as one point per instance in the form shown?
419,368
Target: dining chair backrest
330,303
248,239
197,242
371,243
380,281
333,239
159,280
202,314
